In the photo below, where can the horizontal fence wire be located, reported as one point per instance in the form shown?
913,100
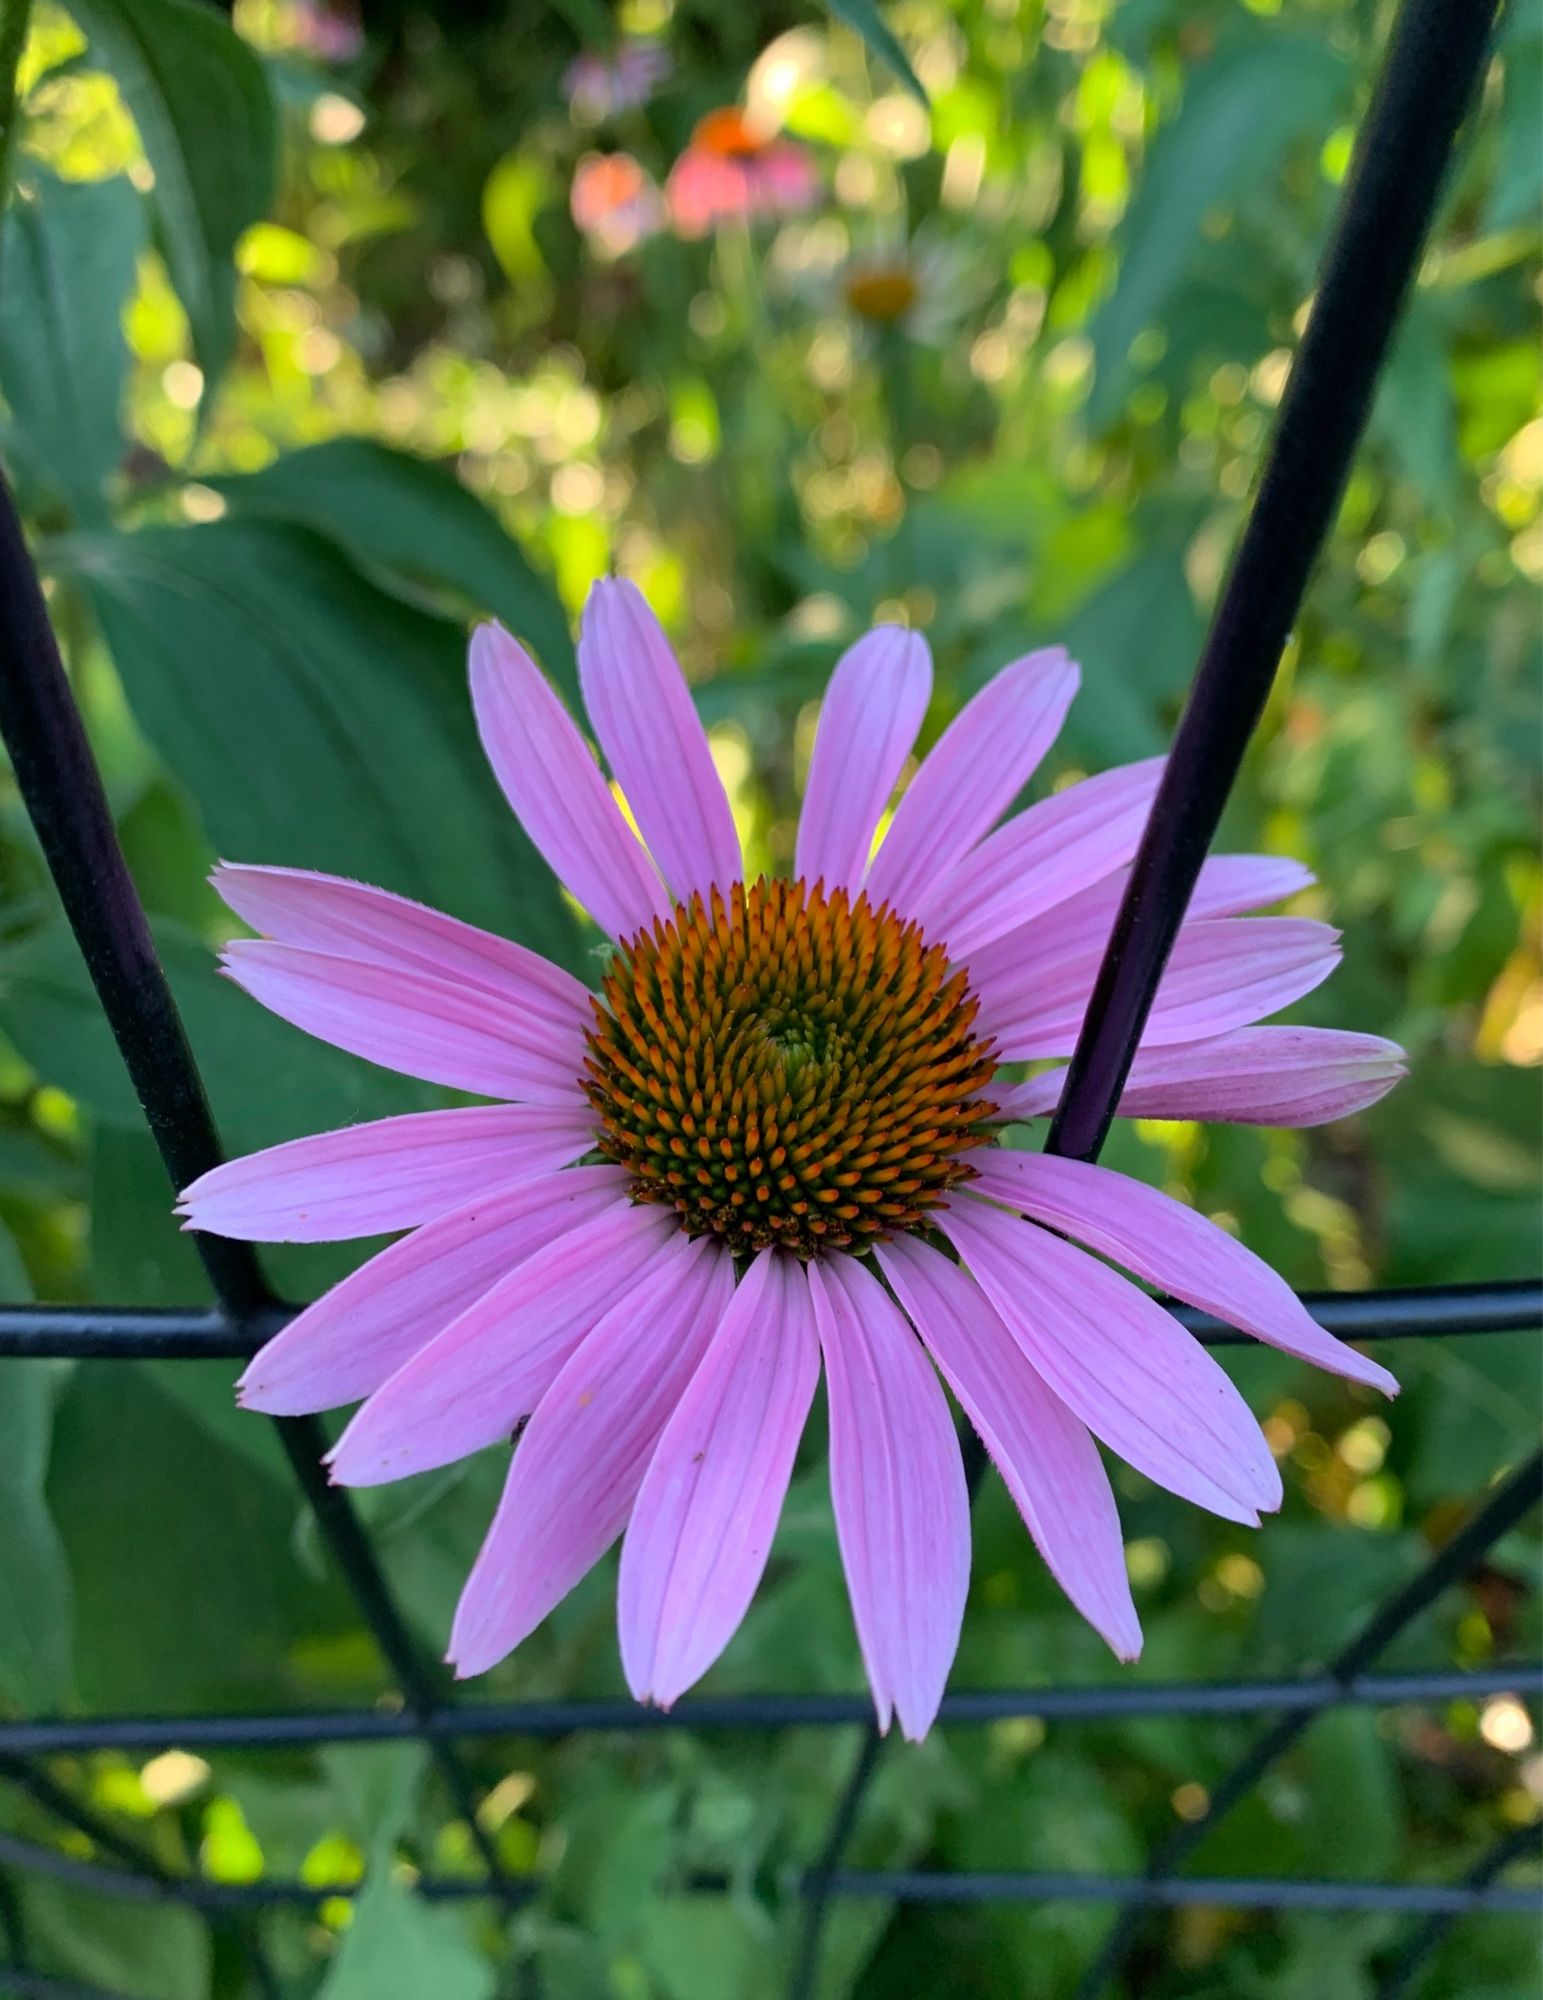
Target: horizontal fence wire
1428,80
480,1721
207,1333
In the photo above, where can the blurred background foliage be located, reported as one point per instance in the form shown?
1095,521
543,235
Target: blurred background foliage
320,336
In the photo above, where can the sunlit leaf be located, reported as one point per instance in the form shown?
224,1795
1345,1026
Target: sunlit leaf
200,99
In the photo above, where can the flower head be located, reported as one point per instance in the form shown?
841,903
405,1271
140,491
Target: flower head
921,286
734,171
615,202
745,1160
599,86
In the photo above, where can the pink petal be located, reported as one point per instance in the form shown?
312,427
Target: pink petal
973,773
1172,1247
578,1465
1253,1076
438,1029
1079,927
1042,856
702,1528
873,708
393,1174
1225,973
556,789
358,1334
902,1511
351,920
490,1367
1126,1367
648,728
1048,1459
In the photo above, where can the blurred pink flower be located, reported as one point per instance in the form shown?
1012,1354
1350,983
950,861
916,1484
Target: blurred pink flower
330,30
659,1235
598,86
615,202
729,173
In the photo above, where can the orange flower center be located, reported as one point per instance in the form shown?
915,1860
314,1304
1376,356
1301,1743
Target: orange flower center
885,296
790,1068
728,133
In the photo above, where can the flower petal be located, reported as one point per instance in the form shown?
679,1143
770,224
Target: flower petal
702,1528
417,1023
1253,1076
352,920
357,1335
583,1454
556,789
1079,928
971,776
872,710
1046,1456
902,1510
648,727
1042,856
1224,973
1172,1247
1126,1367
392,1174
475,1380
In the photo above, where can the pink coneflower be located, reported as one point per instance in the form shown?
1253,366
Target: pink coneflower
615,202
598,86
732,172
749,1154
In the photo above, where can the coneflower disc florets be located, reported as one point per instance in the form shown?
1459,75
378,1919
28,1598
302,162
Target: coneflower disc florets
791,1068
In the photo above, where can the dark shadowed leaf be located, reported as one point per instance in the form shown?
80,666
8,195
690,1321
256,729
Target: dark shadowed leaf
68,253
36,1618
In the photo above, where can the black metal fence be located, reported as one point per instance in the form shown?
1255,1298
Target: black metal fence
1433,62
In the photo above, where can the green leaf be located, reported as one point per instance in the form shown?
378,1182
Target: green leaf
314,719
397,1947
68,252
144,1952
267,1080
865,20
200,99
415,520
1415,413
1138,638
1239,113
36,1615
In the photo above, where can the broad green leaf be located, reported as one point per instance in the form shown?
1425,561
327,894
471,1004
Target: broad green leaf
36,1615
1138,638
206,121
1239,113
400,1948
415,520
68,250
189,1591
315,719
1414,413
267,1081
866,21
397,1947
141,1951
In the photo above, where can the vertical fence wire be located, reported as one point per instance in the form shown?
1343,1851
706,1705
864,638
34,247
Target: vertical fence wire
1427,83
